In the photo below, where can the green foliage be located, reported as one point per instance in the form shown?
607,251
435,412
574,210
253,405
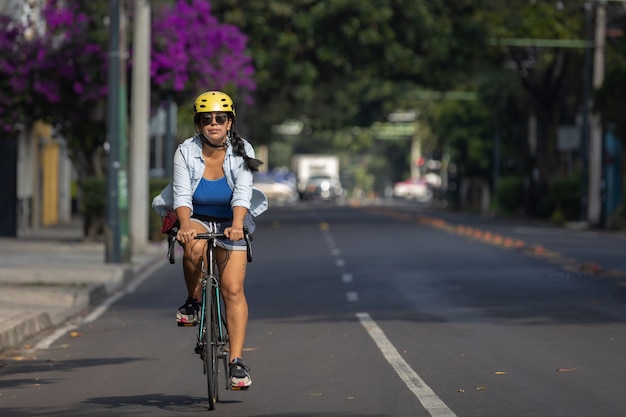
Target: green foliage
502,94
617,219
562,202
551,77
93,194
558,217
337,61
466,129
533,19
606,100
612,105
510,194
93,206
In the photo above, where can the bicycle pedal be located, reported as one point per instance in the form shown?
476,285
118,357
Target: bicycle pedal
186,324
233,388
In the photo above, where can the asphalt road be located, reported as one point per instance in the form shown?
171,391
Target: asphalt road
363,312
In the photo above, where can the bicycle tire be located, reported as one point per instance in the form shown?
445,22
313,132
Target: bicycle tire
210,348
215,343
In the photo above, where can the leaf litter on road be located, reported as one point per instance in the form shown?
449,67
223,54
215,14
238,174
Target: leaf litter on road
567,369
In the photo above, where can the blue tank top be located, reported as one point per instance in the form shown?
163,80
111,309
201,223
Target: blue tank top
212,198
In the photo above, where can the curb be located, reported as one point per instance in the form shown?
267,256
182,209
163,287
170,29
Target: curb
58,305
590,268
57,293
16,329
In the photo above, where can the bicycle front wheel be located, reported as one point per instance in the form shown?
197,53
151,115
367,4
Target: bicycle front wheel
211,347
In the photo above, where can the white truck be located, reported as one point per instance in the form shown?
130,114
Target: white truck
311,168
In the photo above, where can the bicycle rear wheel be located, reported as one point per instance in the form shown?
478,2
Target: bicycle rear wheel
211,347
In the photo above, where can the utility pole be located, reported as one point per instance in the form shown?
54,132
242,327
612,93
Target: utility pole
140,144
594,208
117,247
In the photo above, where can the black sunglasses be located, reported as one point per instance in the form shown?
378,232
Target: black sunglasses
207,119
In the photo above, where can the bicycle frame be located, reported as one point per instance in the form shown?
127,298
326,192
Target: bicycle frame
212,289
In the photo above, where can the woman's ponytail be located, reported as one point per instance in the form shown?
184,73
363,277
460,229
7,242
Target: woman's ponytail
239,149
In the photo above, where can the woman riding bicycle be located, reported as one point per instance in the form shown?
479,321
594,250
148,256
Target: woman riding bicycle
212,191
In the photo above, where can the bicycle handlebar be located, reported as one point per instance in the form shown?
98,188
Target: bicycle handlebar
171,238
209,235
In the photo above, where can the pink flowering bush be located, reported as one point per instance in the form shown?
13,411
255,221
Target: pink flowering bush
193,52
56,77
12,61
61,76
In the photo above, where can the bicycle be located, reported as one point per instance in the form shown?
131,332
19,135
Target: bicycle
212,336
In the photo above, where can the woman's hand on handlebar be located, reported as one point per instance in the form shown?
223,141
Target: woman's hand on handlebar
186,234
234,233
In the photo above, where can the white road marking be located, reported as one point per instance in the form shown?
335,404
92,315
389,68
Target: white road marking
101,309
426,396
46,342
352,296
340,262
347,278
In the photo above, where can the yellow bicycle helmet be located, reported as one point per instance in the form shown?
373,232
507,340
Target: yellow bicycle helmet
210,101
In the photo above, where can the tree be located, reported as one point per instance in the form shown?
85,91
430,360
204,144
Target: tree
339,62
14,69
56,76
551,76
61,75
193,52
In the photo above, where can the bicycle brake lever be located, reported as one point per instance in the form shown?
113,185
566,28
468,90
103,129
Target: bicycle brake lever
171,239
248,238
246,233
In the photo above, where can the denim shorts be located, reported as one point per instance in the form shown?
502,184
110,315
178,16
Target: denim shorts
216,225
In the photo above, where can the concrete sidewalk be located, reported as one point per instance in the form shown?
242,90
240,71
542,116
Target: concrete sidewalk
50,275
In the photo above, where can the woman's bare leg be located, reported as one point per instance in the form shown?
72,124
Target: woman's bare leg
232,266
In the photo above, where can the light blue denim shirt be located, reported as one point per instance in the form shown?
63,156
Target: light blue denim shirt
188,171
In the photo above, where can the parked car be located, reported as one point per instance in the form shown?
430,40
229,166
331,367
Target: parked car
276,191
412,189
323,187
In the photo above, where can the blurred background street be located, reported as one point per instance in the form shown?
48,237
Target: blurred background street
446,184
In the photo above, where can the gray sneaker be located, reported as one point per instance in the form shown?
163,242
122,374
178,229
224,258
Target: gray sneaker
187,314
239,376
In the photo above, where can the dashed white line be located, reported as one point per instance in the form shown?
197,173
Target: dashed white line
426,396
